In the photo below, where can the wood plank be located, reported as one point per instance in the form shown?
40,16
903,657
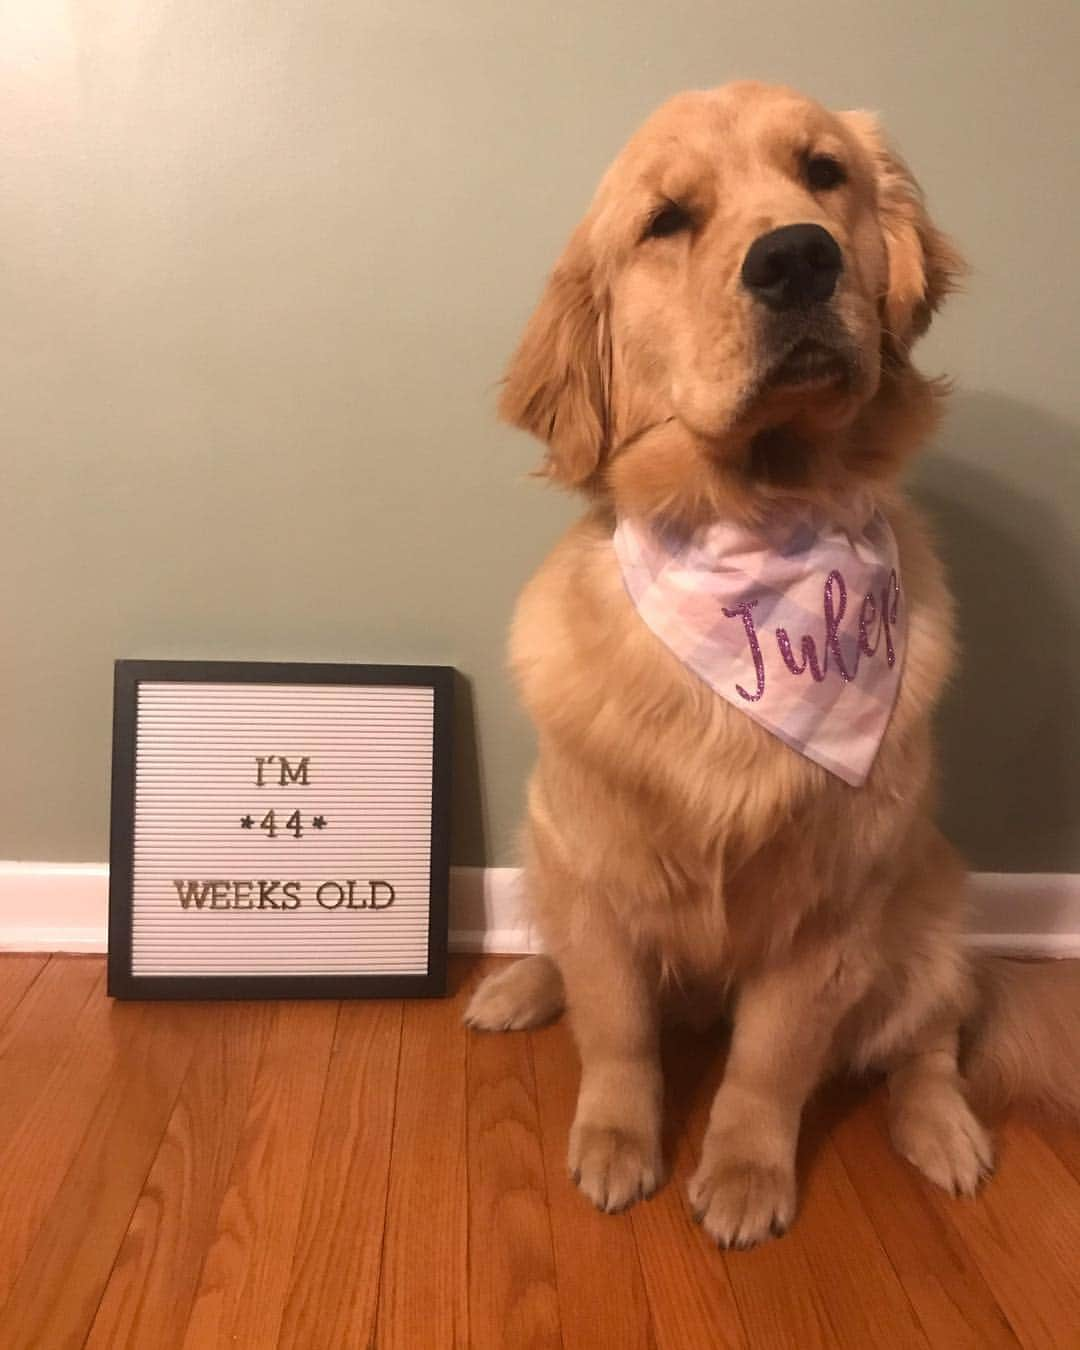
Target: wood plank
334,1284
601,1293
56,1054
39,1031
826,1283
245,1168
424,1289
57,1292
686,1279
512,1298
954,1303
773,1290
1063,1137
17,974
1023,1230
831,1258
244,1280
152,1285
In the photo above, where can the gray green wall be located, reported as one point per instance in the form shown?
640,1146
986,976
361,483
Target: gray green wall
262,264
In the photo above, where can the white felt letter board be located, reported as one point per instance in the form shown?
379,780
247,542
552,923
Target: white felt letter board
279,830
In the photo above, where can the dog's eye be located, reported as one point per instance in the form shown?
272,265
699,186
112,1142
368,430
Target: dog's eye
824,173
669,219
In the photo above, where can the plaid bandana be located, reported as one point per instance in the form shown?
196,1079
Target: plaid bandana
799,624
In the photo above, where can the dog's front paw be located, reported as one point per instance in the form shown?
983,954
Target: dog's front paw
938,1133
741,1201
614,1167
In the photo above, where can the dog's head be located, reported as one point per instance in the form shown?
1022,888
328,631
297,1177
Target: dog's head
736,310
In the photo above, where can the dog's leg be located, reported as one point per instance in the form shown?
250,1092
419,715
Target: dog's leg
615,1154
785,1020
930,1122
526,994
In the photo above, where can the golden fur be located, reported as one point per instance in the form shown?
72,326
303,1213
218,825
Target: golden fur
673,846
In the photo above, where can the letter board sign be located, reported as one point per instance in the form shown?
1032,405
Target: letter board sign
279,830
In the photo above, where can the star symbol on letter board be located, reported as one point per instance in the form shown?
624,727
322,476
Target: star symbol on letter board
318,823
246,822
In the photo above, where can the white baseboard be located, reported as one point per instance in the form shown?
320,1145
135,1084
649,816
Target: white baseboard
1026,913
63,907
486,911
54,907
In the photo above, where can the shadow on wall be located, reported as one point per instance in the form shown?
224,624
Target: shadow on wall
1005,499
468,826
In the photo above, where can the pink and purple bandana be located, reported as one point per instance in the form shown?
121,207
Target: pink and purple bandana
800,624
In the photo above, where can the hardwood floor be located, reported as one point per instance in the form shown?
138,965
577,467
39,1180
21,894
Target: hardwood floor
322,1175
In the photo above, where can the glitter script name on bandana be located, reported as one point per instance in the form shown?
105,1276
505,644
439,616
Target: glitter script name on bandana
801,625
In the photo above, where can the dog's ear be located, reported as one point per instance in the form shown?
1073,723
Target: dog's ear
924,265
557,384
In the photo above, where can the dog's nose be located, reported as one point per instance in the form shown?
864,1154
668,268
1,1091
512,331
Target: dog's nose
795,265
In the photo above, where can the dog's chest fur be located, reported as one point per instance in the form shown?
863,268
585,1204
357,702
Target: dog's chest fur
713,839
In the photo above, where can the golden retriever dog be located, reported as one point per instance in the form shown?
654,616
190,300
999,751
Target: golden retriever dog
728,332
